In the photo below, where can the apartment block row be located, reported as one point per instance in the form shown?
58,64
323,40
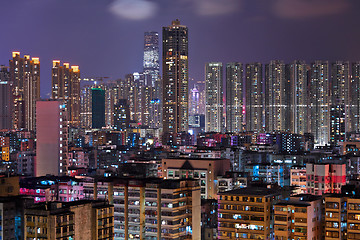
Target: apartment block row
262,213
320,98
106,208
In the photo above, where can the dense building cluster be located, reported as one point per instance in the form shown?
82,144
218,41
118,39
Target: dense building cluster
252,151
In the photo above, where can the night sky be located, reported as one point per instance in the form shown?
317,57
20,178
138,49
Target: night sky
105,37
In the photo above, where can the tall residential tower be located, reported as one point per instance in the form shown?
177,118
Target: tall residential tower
25,76
175,79
151,92
319,102
339,107
66,88
214,97
277,106
299,97
354,98
235,121
5,98
254,97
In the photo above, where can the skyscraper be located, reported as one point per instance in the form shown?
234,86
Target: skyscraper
151,71
339,108
337,123
214,97
110,101
25,76
319,102
277,107
340,82
299,97
175,79
133,95
155,110
85,103
138,98
151,65
98,107
235,121
66,88
194,101
51,137
354,98
121,115
5,98
254,98
146,97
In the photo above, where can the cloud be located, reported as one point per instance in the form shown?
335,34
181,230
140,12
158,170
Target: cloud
217,7
133,9
296,9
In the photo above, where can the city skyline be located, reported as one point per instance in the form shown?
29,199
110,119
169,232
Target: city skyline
247,126
258,32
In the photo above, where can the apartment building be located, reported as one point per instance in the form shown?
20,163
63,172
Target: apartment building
353,218
342,217
73,220
298,178
298,218
266,173
206,170
137,203
245,213
12,216
324,178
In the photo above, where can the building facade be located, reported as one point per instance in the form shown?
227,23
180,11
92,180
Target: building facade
73,220
175,78
66,88
299,97
98,107
298,218
277,96
5,99
245,213
354,101
235,121
214,119
325,178
298,178
254,97
121,115
319,102
51,139
151,70
205,170
25,77
137,203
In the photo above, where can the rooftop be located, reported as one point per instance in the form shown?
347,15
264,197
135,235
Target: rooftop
194,158
252,191
293,203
